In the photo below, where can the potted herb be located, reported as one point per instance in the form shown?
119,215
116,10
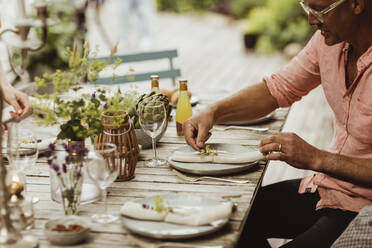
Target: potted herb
81,115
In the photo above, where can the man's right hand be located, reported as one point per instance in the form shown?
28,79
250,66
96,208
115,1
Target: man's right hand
196,129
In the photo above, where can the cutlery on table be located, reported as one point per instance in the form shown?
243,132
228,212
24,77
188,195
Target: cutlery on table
256,129
195,179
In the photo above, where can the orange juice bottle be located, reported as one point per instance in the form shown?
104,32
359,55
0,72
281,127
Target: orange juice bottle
183,111
155,83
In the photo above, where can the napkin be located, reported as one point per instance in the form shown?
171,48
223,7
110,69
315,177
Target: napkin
219,157
203,216
139,211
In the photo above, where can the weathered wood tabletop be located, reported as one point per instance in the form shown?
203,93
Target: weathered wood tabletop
153,181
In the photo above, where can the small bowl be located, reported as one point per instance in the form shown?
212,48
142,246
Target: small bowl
66,238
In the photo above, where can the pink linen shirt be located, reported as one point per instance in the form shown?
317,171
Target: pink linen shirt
317,64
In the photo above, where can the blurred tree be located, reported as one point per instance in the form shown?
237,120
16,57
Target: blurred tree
234,8
60,36
278,24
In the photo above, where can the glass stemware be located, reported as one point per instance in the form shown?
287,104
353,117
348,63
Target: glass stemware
103,168
152,118
22,150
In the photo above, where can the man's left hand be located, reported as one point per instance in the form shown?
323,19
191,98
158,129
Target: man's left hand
290,148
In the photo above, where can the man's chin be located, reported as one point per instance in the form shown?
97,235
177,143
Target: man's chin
329,39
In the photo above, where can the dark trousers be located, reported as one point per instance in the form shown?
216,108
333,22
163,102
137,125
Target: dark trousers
279,211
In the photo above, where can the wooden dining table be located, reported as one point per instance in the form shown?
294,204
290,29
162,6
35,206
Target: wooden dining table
149,182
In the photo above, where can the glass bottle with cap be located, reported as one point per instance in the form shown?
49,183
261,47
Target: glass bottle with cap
183,111
155,83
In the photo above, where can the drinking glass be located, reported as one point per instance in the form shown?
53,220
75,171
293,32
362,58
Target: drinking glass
103,167
152,118
22,150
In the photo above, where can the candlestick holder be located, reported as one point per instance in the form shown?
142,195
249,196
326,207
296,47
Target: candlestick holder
21,43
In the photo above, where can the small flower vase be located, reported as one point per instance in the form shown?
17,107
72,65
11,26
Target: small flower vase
71,198
71,183
67,169
90,192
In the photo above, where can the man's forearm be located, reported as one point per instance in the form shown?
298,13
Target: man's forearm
354,170
250,103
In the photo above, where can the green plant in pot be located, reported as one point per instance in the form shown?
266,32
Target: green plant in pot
80,115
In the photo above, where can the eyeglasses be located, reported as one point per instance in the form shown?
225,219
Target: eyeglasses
320,14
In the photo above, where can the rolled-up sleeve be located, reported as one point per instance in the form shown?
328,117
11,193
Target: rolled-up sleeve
299,76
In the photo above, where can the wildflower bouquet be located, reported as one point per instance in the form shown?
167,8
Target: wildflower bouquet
68,165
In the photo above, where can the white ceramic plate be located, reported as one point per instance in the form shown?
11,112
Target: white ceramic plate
251,122
193,101
42,145
163,230
212,169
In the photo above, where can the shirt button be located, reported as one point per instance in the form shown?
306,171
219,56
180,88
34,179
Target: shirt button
346,98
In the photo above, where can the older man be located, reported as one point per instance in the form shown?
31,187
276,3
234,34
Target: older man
313,211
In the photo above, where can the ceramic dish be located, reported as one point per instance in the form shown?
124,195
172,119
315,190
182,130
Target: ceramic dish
213,169
66,238
163,230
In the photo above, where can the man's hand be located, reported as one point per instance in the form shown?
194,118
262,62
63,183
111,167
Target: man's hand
196,129
290,148
18,100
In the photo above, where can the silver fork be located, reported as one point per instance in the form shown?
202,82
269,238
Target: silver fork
256,129
195,179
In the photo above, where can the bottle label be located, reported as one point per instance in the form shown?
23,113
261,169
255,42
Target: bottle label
179,129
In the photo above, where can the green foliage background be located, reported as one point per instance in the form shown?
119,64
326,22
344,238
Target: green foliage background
276,22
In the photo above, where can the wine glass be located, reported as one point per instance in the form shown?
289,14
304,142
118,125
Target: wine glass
22,150
152,118
104,169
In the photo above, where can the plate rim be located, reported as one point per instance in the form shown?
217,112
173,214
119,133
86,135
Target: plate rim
234,168
212,229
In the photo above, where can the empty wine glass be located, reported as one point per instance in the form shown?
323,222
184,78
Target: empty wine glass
103,167
152,118
22,150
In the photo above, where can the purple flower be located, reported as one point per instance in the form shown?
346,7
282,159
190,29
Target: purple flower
78,174
105,106
68,159
64,145
64,168
55,167
49,161
52,147
94,95
47,153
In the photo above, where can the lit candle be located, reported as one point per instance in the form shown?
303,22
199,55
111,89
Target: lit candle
16,185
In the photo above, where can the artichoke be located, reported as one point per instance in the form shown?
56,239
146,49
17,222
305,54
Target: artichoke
151,99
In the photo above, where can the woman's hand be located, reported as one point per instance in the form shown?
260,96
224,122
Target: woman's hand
18,100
